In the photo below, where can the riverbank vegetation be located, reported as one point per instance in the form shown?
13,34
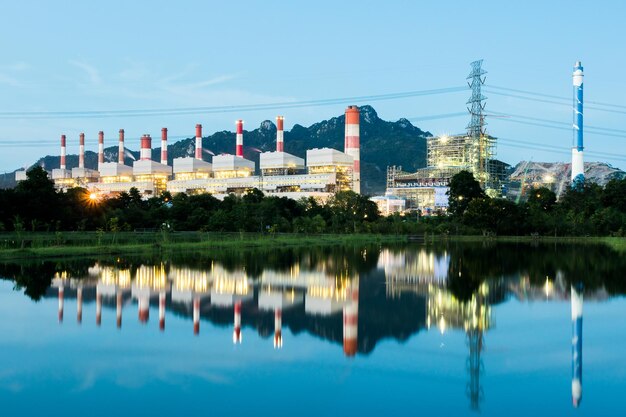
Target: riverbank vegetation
34,206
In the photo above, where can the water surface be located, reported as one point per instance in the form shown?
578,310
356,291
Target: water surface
451,329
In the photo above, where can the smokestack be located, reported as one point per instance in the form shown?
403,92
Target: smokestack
144,308
98,307
278,328
119,309
196,315
120,151
279,134
146,148
351,321
81,151
79,304
578,167
352,145
577,344
199,141
162,310
237,323
239,146
61,295
164,146
63,152
100,148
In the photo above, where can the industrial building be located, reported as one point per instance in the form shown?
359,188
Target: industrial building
426,189
325,172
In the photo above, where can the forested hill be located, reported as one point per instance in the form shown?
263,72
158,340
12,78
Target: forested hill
383,143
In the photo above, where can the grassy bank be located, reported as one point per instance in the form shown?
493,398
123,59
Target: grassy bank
54,245
616,243
74,244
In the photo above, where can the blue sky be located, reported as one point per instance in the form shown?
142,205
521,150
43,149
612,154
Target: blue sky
117,55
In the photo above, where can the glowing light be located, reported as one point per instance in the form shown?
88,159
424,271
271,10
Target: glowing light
93,196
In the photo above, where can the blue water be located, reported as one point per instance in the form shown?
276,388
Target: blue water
402,365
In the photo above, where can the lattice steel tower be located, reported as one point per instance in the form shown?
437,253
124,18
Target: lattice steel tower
483,146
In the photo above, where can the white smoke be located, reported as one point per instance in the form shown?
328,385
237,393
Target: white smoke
128,154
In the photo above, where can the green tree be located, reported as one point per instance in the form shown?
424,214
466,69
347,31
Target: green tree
463,190
614,194
542,198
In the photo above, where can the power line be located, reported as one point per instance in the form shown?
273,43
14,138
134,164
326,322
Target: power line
599,103
562,128
555,149
437,116
222,109
517,116
554,102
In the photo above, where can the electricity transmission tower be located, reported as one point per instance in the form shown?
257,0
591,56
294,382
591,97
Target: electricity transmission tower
483,146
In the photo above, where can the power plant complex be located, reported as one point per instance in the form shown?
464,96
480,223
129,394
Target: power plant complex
326,171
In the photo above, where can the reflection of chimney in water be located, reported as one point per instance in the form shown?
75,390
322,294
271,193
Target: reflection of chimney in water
61,294
577,345
351,319
119,309
278,328
196,315
237,322
144,307
162,310
98,307
79,304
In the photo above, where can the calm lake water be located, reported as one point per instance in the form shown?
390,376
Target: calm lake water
366,330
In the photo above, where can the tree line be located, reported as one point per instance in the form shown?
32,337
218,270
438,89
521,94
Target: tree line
585,209
35,205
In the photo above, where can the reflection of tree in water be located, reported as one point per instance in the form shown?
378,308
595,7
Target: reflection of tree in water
34,277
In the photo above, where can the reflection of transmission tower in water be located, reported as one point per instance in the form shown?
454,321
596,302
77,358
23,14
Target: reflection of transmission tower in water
474,316
482,145
475,367
479,320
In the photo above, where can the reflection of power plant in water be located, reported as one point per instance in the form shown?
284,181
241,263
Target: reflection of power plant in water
577,344
323,294
426,274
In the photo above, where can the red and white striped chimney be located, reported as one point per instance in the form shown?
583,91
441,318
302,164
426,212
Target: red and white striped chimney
162,310
278,328
239,146
164,146
199,141
79,304
196,315
81,151
98,307
145,154
120,150
100,148
352,145
351,320
237,324
144,308
119,309
63,153
279,134
61,296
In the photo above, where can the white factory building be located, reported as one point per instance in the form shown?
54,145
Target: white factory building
325,171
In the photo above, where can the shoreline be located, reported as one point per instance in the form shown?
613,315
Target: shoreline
75,244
